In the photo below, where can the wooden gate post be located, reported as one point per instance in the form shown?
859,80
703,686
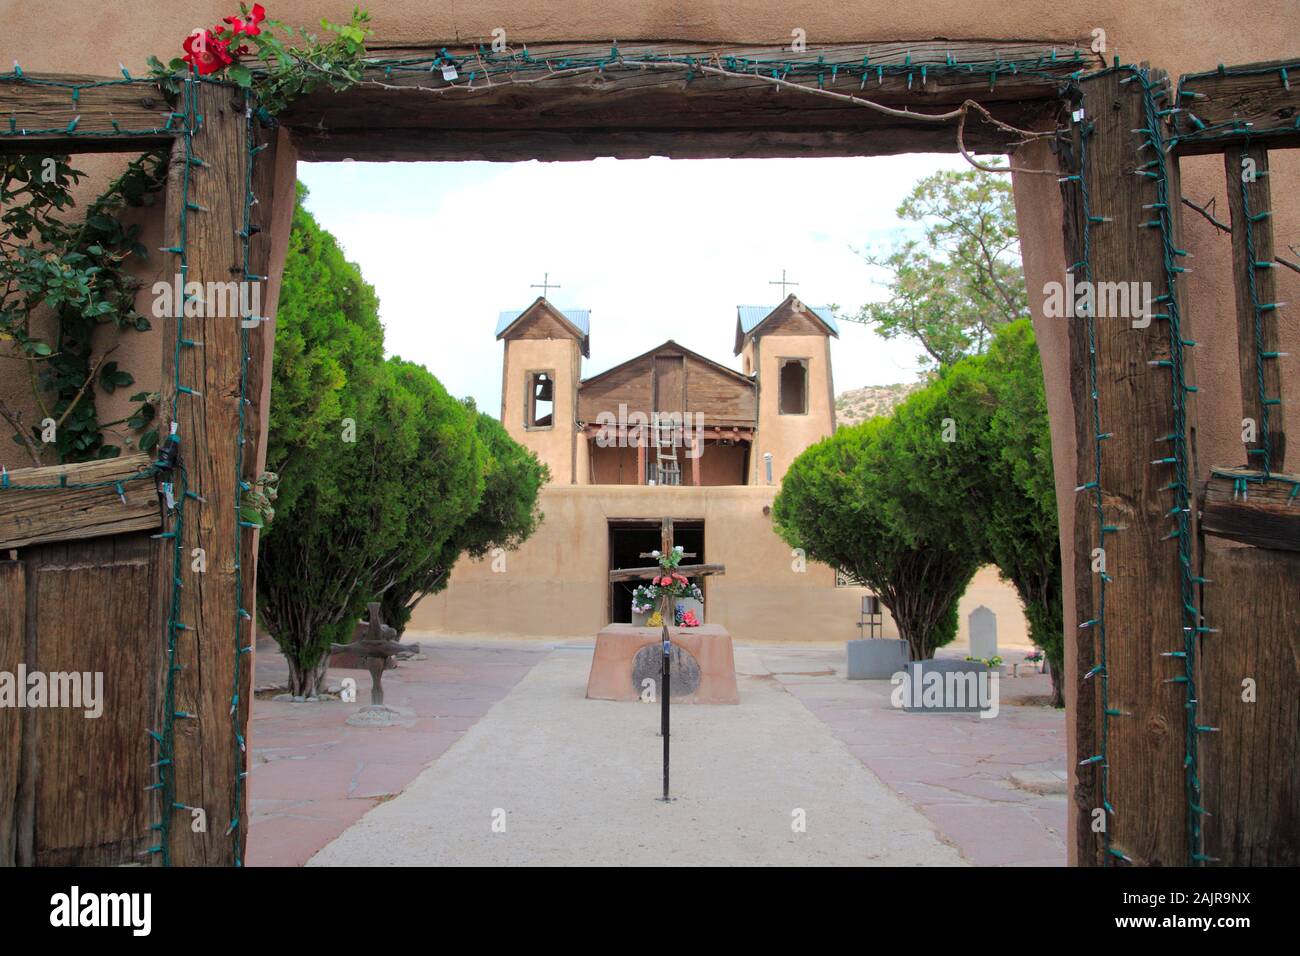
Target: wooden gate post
205,391
1134,530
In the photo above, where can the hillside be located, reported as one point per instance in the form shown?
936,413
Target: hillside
859,404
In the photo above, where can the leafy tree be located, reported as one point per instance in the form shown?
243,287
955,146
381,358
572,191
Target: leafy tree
329,349
1015,496
952,289
352,515
506,516
850,501
369,512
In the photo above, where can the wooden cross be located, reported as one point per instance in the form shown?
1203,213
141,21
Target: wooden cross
377,642
783,283
545,284
645,574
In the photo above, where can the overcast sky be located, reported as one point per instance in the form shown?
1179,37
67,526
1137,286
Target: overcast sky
657,249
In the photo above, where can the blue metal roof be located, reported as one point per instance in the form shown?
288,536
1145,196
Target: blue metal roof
751,315
581,318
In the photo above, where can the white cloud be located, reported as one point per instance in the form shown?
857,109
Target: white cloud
655,248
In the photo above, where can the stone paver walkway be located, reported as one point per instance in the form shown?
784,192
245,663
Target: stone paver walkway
312,775
955,767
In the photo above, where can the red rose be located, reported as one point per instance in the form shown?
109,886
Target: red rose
206,53
248,25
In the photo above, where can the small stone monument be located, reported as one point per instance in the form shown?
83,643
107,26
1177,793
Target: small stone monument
376,642
873,657
983,633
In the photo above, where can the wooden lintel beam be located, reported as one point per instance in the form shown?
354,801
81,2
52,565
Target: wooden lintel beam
1259,100
1266,514
64,514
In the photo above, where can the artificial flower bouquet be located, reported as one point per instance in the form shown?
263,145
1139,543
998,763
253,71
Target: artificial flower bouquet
670,584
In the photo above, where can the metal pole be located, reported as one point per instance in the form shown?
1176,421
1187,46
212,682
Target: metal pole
665,691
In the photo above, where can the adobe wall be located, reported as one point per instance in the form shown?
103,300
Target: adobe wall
557,583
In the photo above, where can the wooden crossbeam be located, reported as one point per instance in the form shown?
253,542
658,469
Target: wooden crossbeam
1265,514
43,105
71,513
642,574
1261,100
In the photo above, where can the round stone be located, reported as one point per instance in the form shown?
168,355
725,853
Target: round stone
683,670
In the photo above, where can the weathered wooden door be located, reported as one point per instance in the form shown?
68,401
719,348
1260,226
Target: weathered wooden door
75,777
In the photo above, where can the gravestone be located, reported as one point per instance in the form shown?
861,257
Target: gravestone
983,633
876,658
961,687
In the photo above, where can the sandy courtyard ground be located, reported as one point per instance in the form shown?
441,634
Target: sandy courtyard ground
548,777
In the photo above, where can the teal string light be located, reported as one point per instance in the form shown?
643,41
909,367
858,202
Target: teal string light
1179,458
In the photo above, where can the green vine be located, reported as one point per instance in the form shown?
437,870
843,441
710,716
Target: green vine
70,278
283,62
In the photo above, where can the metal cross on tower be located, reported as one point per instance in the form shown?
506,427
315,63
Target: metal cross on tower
783,283
545,284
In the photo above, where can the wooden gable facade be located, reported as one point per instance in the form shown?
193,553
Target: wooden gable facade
671,378
718,405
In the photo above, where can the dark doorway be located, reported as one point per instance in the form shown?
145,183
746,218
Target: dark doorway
628,540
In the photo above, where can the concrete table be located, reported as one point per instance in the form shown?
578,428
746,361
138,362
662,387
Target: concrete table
706,651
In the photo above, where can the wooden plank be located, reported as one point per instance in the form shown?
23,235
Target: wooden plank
61,514
1251,765
31,103
1265,515
206,758
669,383
1252,244
96,614
1143,604
1223,108
13,609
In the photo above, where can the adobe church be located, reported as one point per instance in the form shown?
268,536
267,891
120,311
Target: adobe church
667,433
